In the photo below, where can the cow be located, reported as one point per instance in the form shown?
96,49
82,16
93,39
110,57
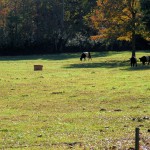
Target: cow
133,61
145,59
85,55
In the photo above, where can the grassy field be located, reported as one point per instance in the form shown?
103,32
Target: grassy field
89,105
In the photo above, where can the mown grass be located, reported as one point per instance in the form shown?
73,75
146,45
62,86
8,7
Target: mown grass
71,104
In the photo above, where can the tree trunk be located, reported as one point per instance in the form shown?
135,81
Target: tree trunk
133,12
133,44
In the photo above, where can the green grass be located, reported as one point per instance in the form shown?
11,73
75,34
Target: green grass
71,104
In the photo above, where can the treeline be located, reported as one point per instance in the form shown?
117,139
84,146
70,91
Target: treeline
54,26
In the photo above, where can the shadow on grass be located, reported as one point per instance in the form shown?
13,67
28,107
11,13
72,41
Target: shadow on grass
60,56
123,65
110,64
138,68
41,57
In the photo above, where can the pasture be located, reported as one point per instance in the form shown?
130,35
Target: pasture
72,104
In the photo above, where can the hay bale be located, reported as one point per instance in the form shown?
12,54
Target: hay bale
38,67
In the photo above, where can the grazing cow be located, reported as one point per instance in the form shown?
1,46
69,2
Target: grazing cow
145,59
85,55
133,61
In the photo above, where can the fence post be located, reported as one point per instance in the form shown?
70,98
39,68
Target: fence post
137,138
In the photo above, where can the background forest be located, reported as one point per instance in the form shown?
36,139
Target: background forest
55,26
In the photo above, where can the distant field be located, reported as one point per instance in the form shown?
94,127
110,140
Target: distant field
71,104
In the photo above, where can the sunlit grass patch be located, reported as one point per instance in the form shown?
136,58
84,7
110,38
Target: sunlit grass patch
72,104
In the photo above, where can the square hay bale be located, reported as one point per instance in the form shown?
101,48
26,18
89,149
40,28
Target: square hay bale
38,67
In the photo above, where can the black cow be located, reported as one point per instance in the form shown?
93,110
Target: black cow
85,55
145,59
133,61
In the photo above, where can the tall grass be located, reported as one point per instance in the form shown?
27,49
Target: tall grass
71,104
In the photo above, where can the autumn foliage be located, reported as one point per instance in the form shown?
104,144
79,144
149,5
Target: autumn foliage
116,19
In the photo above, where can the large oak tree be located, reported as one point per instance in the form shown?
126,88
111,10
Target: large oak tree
117,19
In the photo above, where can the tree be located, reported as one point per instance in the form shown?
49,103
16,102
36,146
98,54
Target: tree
118,20
4,11
75,19
42,24
145,6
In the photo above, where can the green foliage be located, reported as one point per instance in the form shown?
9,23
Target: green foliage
49,23
145,6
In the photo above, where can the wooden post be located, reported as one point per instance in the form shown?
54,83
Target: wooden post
137,138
